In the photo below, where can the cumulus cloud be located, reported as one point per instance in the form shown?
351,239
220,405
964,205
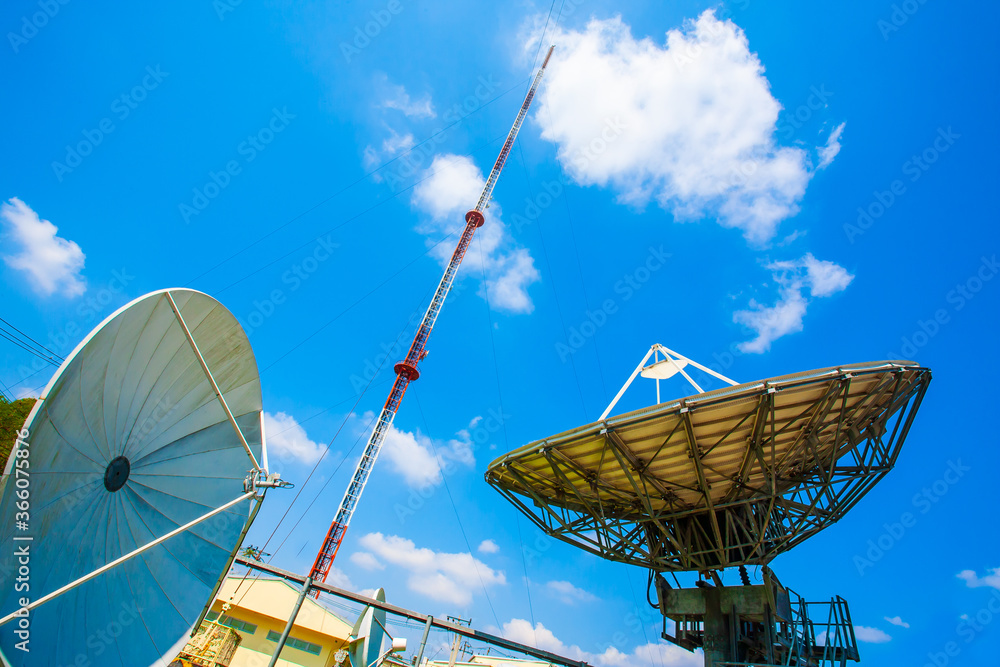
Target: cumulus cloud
393,145
569,593
796,279
400,100
450,187
689,123
446,577
397,143
420,460
51,263
366,561
659,654
972,580
896,620
286,439
871,635
832,147
488,547
337,578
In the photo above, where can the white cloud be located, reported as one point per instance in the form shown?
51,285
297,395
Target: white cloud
397,143
369,159
451,186
366,561
823,277
51,263
818,278
659,654
488,547
392,146
972,580
828,152
569,593
286,439
421,460
896,620
690,123
337,578
446,577
871,635
400,100
772,322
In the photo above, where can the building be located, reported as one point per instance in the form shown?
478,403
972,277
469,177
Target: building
258,613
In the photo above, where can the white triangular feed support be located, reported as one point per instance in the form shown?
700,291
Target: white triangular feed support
670,365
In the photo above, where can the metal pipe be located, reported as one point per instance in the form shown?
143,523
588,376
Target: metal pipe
416,616
101,570
423,640
694,363
211,379
306,585
626,385
229,562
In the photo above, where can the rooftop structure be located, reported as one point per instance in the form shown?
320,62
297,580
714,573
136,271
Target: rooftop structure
257,614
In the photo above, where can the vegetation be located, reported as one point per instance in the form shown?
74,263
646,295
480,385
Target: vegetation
12,416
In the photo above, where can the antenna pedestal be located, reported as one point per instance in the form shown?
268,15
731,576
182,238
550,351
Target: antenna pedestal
757,626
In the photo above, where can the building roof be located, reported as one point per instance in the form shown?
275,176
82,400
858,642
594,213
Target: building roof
275,598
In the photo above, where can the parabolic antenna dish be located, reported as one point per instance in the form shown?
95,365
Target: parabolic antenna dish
728,477
128,443
368,634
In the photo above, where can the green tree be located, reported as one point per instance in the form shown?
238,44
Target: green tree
12,416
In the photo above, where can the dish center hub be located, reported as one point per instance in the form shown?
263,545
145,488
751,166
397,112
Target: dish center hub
116,474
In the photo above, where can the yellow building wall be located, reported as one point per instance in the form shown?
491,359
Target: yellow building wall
255,650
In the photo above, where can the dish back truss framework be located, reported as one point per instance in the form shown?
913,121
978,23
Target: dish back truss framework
725,478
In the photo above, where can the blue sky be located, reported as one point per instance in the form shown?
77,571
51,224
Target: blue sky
774,187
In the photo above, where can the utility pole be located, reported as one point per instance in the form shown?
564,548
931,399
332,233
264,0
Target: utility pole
458,639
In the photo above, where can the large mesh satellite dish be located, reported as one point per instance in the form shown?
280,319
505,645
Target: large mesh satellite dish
148,439
721,478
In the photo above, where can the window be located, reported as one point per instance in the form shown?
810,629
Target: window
308,647
236,624
212,615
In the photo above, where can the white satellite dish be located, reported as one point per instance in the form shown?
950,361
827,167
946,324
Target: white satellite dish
147,465
368,634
